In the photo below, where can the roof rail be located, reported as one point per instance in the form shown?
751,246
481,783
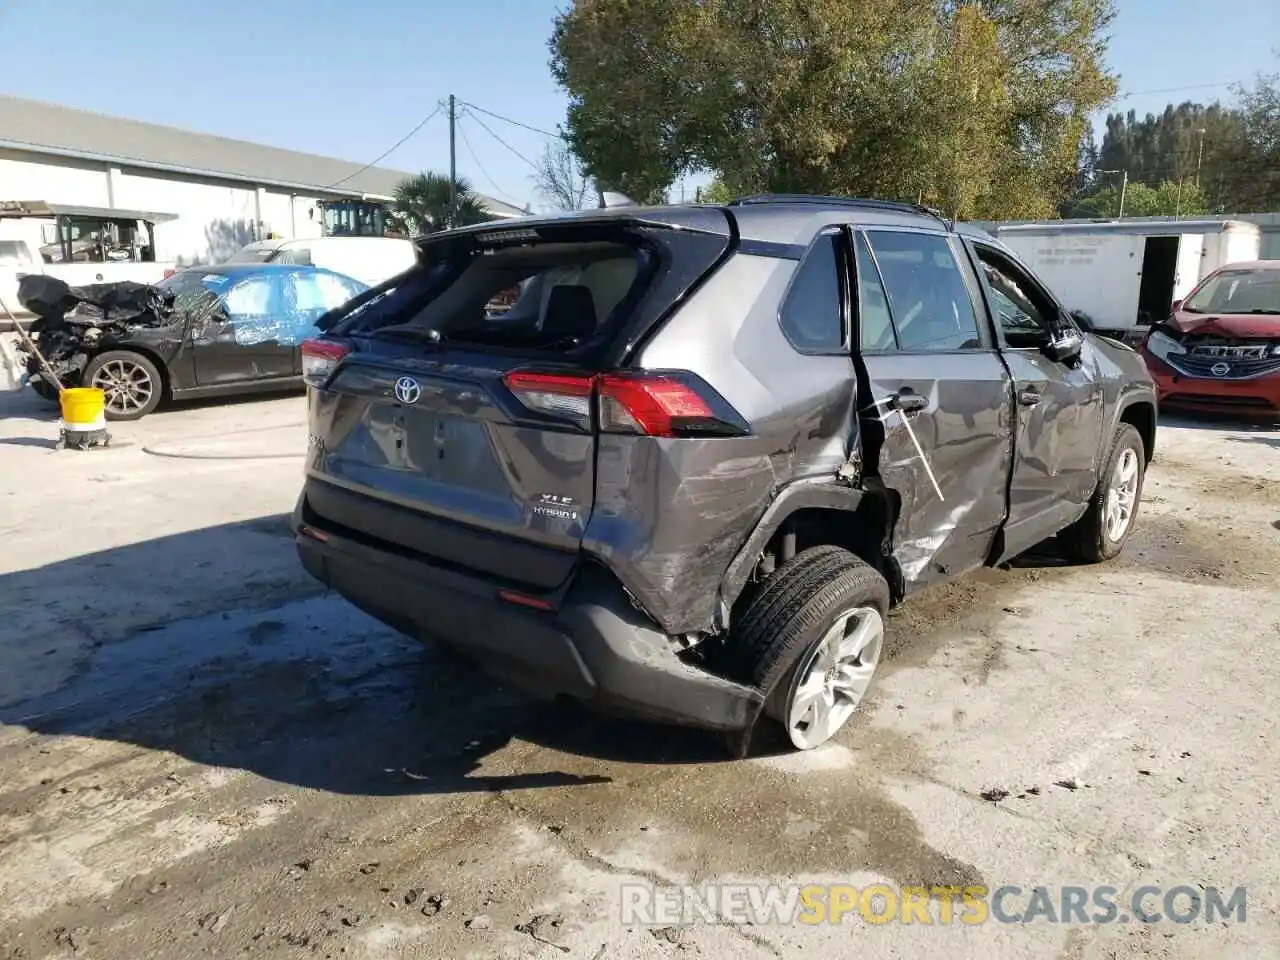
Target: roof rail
867,202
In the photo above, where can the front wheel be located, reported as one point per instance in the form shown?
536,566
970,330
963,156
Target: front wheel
130,382
813,637
1106,526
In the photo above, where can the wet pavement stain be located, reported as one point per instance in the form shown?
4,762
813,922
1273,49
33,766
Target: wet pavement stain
678,811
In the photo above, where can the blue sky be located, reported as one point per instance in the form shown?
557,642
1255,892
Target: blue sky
349,79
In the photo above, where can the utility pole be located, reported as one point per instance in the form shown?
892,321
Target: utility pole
453,163
1124,186
1199,158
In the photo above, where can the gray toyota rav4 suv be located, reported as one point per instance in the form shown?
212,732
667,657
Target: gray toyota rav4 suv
679,462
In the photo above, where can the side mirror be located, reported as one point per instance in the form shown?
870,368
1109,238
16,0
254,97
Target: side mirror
1176,306
1065,347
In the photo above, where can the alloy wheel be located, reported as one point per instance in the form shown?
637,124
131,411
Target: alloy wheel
1122,496
834,677
127,386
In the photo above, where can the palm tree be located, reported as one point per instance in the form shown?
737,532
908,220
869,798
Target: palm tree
422,202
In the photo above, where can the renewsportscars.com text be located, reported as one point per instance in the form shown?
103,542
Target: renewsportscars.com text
763,904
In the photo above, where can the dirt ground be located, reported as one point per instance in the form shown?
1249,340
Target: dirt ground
201,754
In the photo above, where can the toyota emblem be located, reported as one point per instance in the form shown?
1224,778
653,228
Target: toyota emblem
407,390
1220,369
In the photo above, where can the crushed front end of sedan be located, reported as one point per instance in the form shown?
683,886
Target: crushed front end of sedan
75,323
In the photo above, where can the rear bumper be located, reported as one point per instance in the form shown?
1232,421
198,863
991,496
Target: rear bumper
594,648
1259,396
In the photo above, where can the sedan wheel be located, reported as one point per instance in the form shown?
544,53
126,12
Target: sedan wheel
832,680
129,381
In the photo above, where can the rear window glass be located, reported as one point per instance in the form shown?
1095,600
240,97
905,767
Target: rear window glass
543,296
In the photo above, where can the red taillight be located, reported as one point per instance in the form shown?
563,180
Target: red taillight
319,359
653,405
169,273
649,404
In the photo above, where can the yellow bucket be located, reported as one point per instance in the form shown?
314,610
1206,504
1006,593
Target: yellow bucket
83,408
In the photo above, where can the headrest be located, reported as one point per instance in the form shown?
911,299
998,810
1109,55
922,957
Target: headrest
571,312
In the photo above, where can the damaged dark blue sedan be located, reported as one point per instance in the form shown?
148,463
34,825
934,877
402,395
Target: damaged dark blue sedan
205,331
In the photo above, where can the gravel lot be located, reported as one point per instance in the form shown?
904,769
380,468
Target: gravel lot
201,754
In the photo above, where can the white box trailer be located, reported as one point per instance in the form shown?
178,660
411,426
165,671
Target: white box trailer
1126,275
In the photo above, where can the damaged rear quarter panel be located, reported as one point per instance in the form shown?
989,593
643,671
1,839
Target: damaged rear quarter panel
671,514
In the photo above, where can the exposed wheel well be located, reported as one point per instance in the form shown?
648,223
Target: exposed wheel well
1142,417
865,532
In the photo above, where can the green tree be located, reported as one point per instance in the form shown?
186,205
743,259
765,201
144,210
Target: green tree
422,203
1169,199
978,107
717,191
1187,142
1251,166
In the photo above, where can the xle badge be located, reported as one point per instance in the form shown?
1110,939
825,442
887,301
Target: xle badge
555,506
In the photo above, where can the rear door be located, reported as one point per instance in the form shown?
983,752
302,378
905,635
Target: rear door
1060,405
308,295
460,426
936,414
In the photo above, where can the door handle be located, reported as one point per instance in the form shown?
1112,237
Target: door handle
908,401
1028,398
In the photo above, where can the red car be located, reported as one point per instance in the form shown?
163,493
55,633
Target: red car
1220,349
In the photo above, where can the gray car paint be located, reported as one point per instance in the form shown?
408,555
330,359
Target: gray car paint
803,415
678,522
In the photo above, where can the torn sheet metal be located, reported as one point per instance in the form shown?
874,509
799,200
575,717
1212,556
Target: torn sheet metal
939,436
74,323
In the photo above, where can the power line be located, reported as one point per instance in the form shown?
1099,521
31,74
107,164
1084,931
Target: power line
485,127
514,123
1195,86
395,146
466,142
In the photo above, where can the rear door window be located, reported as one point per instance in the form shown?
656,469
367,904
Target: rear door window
875,325
309,296
929,300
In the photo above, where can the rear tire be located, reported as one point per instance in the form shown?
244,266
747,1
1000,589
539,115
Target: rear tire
812,639
131,382
1103,531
